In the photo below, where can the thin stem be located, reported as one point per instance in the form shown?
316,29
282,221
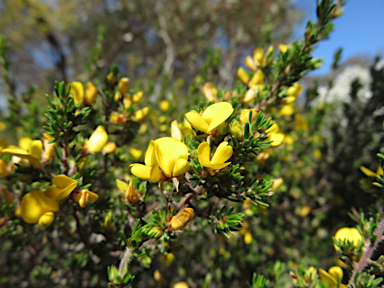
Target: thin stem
78,227
368,249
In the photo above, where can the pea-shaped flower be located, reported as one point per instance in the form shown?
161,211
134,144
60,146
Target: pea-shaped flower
32,154
211,118
88,96
166,155
37,208
85,196
181,219
64,187
222,154
131,194
349,234
332,276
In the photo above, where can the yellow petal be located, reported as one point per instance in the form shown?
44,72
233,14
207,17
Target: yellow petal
110,148
168,150
350,234
175,131
244,115
52,192
49,150
181,285
289,99
181,167
295,90
277,183
24,143
141,171
248,238
15,151
258,56
222,153
136,153
277,139
326,278
287,110
97,140
257,79
140,115
123,186
156,174
90,94
283,48
216,114
197,121
203,152
123,85
67,184
164,105
248,61
137,97
46,219
132,195
379,171
77,90
250,94
336,272
36,148
150,156
366,171
35,204
209,91
243,76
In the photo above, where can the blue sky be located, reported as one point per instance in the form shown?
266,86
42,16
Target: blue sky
359,31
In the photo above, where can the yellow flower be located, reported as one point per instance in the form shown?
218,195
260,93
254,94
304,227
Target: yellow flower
84,196
244,115
131,194
32,154
293,92
248,238
277,183
209,91
167,260
172,156
257,79
111,78
181,285
275,135
97,140
35,207
243,76
370,173
65,186
248,61
123,85
137,96
211,118
287,110
250,94
49,150
77,90
136,153
164,105
283,48
332,277
110,148
349,234
143,128
117,118
108,221
181,219
140,115
222,154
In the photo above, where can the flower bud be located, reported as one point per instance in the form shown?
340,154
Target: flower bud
137,96
123,85
175,131
236,129
49,150
181,285
108,222
164,105
243,76
97,140
132,195
90,94
249,63
158,230
181,219
111,78
140,115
